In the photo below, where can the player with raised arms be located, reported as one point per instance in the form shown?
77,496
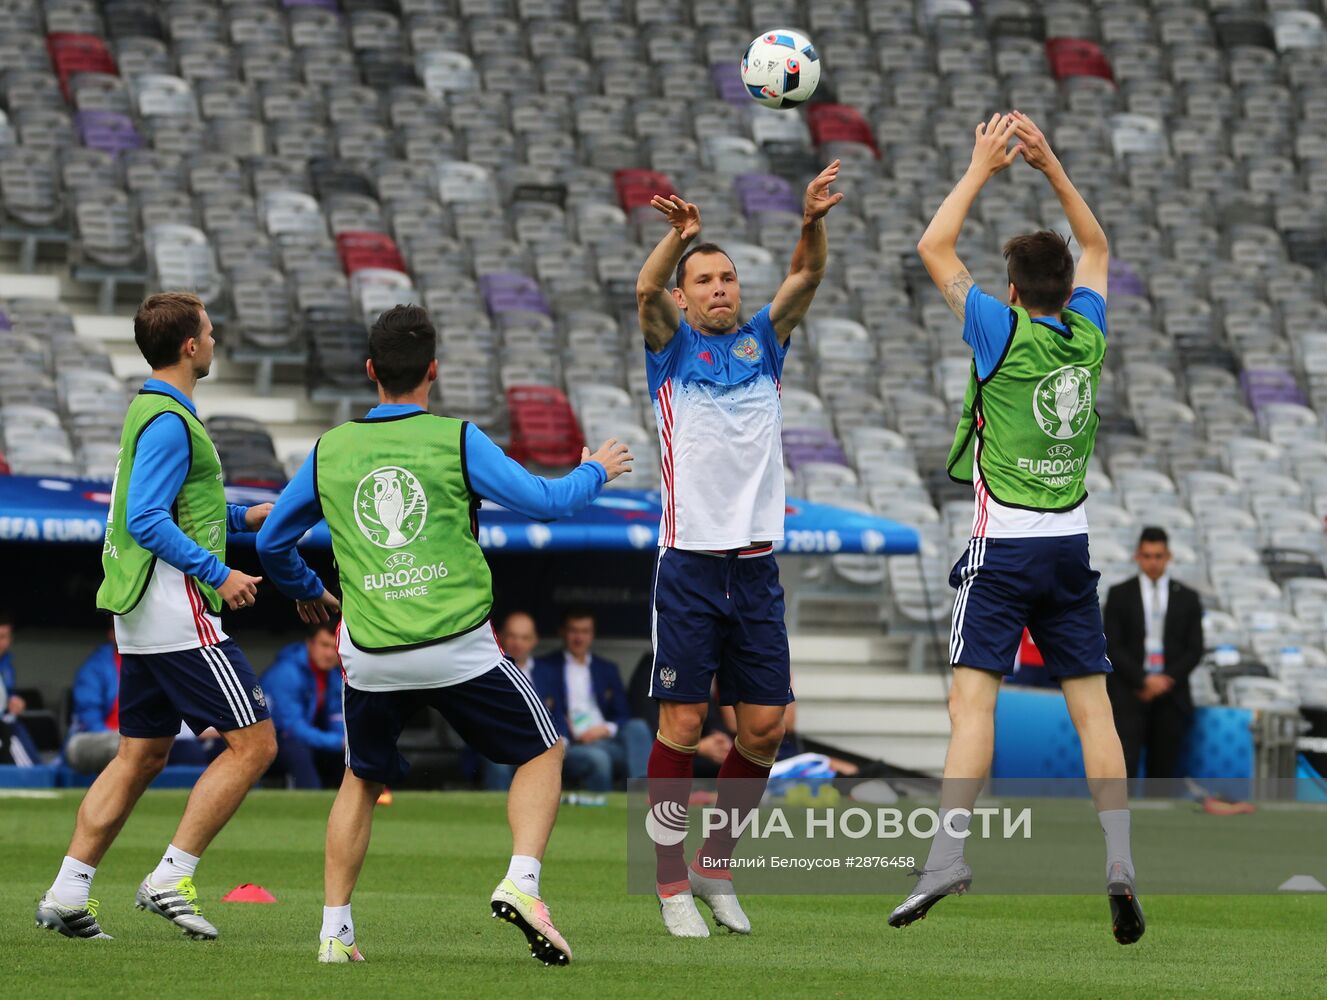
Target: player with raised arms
717,602
165,582
400,490
1024,440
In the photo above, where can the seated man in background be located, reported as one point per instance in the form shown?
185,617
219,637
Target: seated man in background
585,696
518,637
18,745
94,726
585,765
303,688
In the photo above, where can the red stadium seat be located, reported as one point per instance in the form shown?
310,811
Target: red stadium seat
1077,57
636,187
4,465
360,250
839,123
78,53
543,428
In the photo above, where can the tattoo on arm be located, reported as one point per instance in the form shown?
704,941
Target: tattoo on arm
955,291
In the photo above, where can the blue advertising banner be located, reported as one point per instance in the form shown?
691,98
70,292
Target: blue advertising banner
35,509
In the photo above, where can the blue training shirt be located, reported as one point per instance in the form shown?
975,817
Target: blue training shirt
988,323
492,475
718,412
161,463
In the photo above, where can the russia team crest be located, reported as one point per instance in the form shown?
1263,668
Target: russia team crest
748,349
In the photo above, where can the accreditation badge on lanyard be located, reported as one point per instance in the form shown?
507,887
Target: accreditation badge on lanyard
1156,658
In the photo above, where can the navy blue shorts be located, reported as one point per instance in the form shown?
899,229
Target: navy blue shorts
211,686
1045,584
719,615
497,713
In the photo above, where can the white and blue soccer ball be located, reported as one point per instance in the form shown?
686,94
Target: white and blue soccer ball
781,68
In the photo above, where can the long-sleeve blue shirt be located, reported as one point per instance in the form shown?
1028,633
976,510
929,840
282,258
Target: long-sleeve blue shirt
492,474
291,687
161,463
96,686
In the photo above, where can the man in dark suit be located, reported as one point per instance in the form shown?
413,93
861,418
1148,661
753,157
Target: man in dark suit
1154,635
585,696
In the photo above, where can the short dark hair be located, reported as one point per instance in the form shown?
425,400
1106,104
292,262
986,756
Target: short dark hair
402,343
699,248
575,614
1154,534
317,627
1042,269
6,617
506,619
163,323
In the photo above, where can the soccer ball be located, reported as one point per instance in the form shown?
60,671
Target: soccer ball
781,68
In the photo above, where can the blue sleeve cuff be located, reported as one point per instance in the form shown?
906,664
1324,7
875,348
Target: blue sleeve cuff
215,574
235,518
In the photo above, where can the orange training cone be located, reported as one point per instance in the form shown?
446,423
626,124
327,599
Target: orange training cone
385,798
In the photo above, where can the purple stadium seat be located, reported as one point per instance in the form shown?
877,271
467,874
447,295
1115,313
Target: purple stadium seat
766,193
727,77
1270,385
1123,280
811,444
109,131
505,291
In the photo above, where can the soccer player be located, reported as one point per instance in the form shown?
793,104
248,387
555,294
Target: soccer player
1024,440
165,582
399,490
717,604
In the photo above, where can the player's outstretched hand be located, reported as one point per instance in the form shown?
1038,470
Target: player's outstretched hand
818,199
240,590
320,609
1036,149
989,155
681,215
256,515
613,455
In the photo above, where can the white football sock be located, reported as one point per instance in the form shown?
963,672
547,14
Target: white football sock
338,923
73,884
946,849
524,873
175,865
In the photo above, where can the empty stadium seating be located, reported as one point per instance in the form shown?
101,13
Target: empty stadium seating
305,164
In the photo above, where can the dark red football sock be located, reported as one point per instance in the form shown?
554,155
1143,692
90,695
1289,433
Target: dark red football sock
741,784
669,773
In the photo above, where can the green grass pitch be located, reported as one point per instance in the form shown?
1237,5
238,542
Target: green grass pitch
422,920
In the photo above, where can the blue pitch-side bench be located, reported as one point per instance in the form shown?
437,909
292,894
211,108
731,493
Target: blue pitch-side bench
60,776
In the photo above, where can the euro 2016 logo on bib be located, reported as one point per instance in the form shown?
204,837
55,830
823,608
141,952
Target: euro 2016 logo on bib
1063,402
390,506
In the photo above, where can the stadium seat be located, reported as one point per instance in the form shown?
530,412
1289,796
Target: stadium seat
543,427
635,188
839,124
1073,57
